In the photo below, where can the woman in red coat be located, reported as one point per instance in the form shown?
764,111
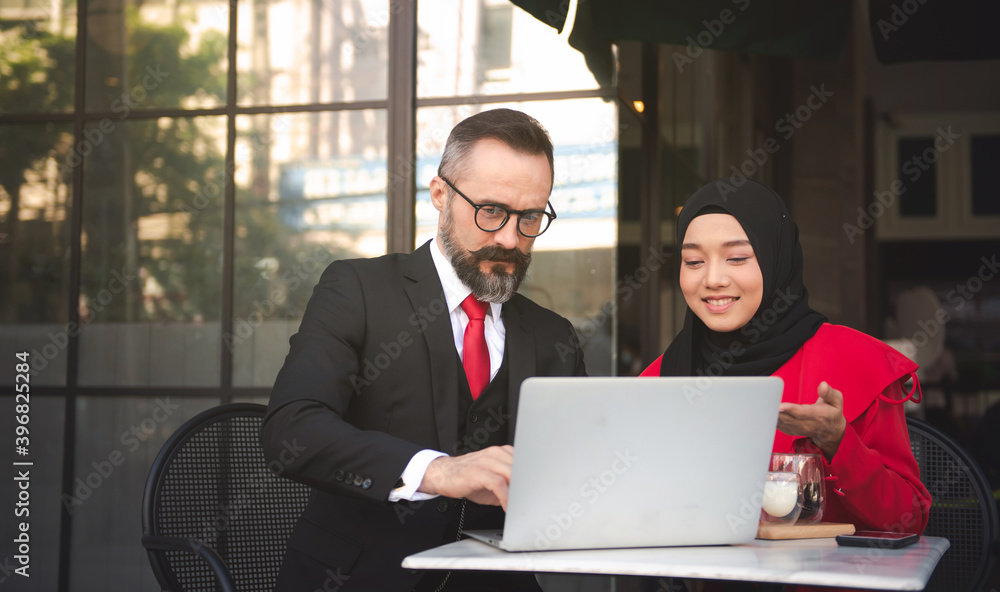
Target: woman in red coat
748,315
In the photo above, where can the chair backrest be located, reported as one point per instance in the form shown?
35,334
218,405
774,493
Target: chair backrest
963,509
210,487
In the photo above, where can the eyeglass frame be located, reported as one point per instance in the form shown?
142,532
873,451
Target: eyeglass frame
551,214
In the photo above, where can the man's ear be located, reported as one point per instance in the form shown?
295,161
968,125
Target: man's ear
439,193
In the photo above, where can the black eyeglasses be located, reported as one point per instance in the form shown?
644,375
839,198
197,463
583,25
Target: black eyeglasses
492,217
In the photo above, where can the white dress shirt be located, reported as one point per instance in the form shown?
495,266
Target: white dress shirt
454,293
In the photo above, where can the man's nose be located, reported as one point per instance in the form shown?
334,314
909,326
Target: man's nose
508,237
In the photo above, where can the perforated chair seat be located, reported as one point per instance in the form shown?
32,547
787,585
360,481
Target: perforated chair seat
962,510
214,516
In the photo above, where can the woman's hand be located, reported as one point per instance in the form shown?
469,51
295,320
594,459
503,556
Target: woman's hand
822,422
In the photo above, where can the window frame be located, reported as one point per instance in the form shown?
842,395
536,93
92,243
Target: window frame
401,106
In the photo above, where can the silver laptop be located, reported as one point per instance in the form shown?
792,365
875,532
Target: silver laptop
638,462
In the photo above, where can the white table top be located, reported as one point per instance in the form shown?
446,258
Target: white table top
804,561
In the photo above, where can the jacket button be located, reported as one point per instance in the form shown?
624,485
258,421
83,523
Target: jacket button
443,506
473,417
366,484
358,480
340,475
348,477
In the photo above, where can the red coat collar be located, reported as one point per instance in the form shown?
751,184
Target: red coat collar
857,365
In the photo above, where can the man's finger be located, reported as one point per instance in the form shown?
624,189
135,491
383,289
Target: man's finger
499,488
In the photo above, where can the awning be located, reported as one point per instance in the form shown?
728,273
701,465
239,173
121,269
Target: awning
814,29
902,30
913,30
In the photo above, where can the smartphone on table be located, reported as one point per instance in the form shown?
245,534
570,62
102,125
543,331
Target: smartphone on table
878,539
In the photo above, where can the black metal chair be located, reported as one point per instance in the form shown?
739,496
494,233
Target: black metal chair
962,510
215,516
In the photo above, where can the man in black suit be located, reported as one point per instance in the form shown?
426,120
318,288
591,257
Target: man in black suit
402,383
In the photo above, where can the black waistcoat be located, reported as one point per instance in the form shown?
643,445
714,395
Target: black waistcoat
483,422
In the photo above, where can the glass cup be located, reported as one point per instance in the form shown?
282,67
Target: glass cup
809,467
782,501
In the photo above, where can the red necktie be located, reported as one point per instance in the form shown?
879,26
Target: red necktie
475,354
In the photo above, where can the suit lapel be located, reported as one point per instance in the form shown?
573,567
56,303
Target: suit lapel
427,298
520,348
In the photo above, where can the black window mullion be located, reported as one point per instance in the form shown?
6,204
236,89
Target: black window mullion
401,188
650,206
75,262
229,214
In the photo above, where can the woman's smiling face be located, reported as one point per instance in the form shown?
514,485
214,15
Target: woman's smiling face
720,277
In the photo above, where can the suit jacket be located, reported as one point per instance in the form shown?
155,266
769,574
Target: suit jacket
371,379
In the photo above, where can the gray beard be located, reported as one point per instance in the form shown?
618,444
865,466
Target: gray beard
499,286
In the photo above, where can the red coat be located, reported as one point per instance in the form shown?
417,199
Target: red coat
873,480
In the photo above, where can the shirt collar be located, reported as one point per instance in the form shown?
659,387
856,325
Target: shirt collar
454,290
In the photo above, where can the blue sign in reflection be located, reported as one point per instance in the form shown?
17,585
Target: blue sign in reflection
350,193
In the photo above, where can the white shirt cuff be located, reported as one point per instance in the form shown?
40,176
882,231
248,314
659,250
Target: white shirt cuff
413,476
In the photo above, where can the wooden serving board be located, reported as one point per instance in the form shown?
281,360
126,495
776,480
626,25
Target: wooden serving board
819,530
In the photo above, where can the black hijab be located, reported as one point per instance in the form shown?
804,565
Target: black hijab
782,323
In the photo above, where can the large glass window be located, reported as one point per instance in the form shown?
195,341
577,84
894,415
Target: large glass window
38,49
109,474
163,223
311,51
310,190
150,295
154,53
35,191
491,47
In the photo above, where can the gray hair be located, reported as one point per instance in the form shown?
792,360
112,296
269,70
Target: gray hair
517,130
